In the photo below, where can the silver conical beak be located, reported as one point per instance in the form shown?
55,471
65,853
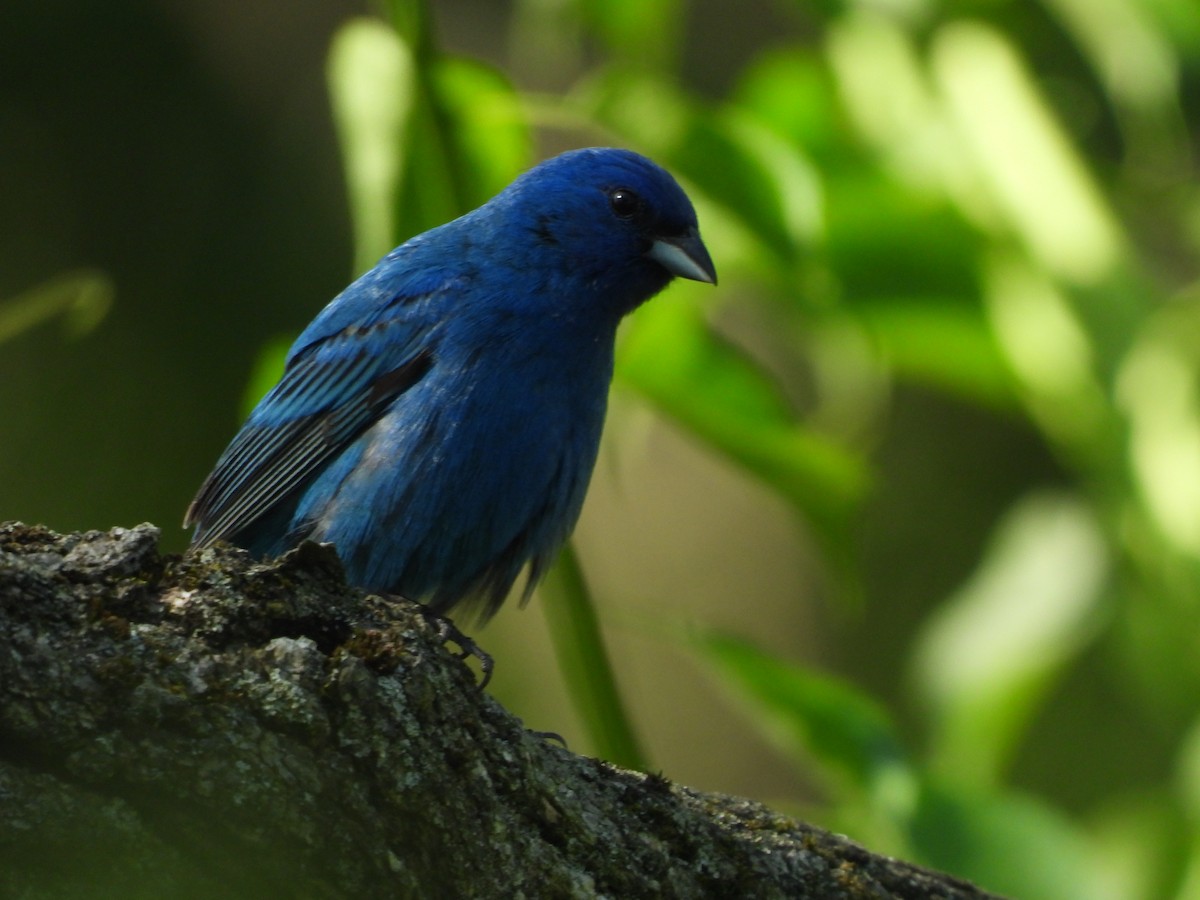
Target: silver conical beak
685,256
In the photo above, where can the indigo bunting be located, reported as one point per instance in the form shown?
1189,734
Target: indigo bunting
439,420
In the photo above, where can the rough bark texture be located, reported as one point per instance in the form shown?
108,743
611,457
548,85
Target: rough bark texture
210,726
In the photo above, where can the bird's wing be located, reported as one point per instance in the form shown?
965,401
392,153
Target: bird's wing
333,388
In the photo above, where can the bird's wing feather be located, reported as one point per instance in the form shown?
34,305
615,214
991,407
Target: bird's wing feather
332,389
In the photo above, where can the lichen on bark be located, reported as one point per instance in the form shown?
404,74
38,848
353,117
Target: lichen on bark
215,726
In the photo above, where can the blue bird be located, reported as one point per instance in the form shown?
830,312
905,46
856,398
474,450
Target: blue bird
439,420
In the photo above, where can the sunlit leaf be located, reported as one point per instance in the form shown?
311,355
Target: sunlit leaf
988,656
371,84
884,88
425,137
1036,178
1125,46
1159,391
1051,354
80,299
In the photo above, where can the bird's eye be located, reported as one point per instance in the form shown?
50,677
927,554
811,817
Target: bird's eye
625,203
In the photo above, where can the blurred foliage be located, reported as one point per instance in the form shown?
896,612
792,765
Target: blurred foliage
584,662
992,203
995,201
80,299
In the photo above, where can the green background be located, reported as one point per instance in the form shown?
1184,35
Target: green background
897,529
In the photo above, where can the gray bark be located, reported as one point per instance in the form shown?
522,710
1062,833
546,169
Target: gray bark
212,726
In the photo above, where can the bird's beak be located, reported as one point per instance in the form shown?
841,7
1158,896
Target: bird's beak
685,256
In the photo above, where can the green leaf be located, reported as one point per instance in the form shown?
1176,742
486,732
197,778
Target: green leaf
583,660
755,174
433,181
1008,843
1158,391
1040,185
819,717
424,136
991,653
81,298
372,85
671,357
790,91
943,343
467,139
1053,359
1144,839
1127,49
1181,20
486,123
642,33
268,367
412,22
882,234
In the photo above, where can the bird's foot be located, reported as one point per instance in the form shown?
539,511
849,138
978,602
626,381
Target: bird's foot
448,633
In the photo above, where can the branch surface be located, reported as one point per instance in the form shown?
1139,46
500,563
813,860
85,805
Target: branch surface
212,726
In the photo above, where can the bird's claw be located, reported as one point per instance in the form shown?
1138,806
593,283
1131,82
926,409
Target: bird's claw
449,633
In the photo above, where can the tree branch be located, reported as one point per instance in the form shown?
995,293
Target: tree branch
213,726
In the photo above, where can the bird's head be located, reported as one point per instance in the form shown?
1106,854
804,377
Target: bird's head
611,220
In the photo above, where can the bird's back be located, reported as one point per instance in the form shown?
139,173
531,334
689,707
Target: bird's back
438,422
